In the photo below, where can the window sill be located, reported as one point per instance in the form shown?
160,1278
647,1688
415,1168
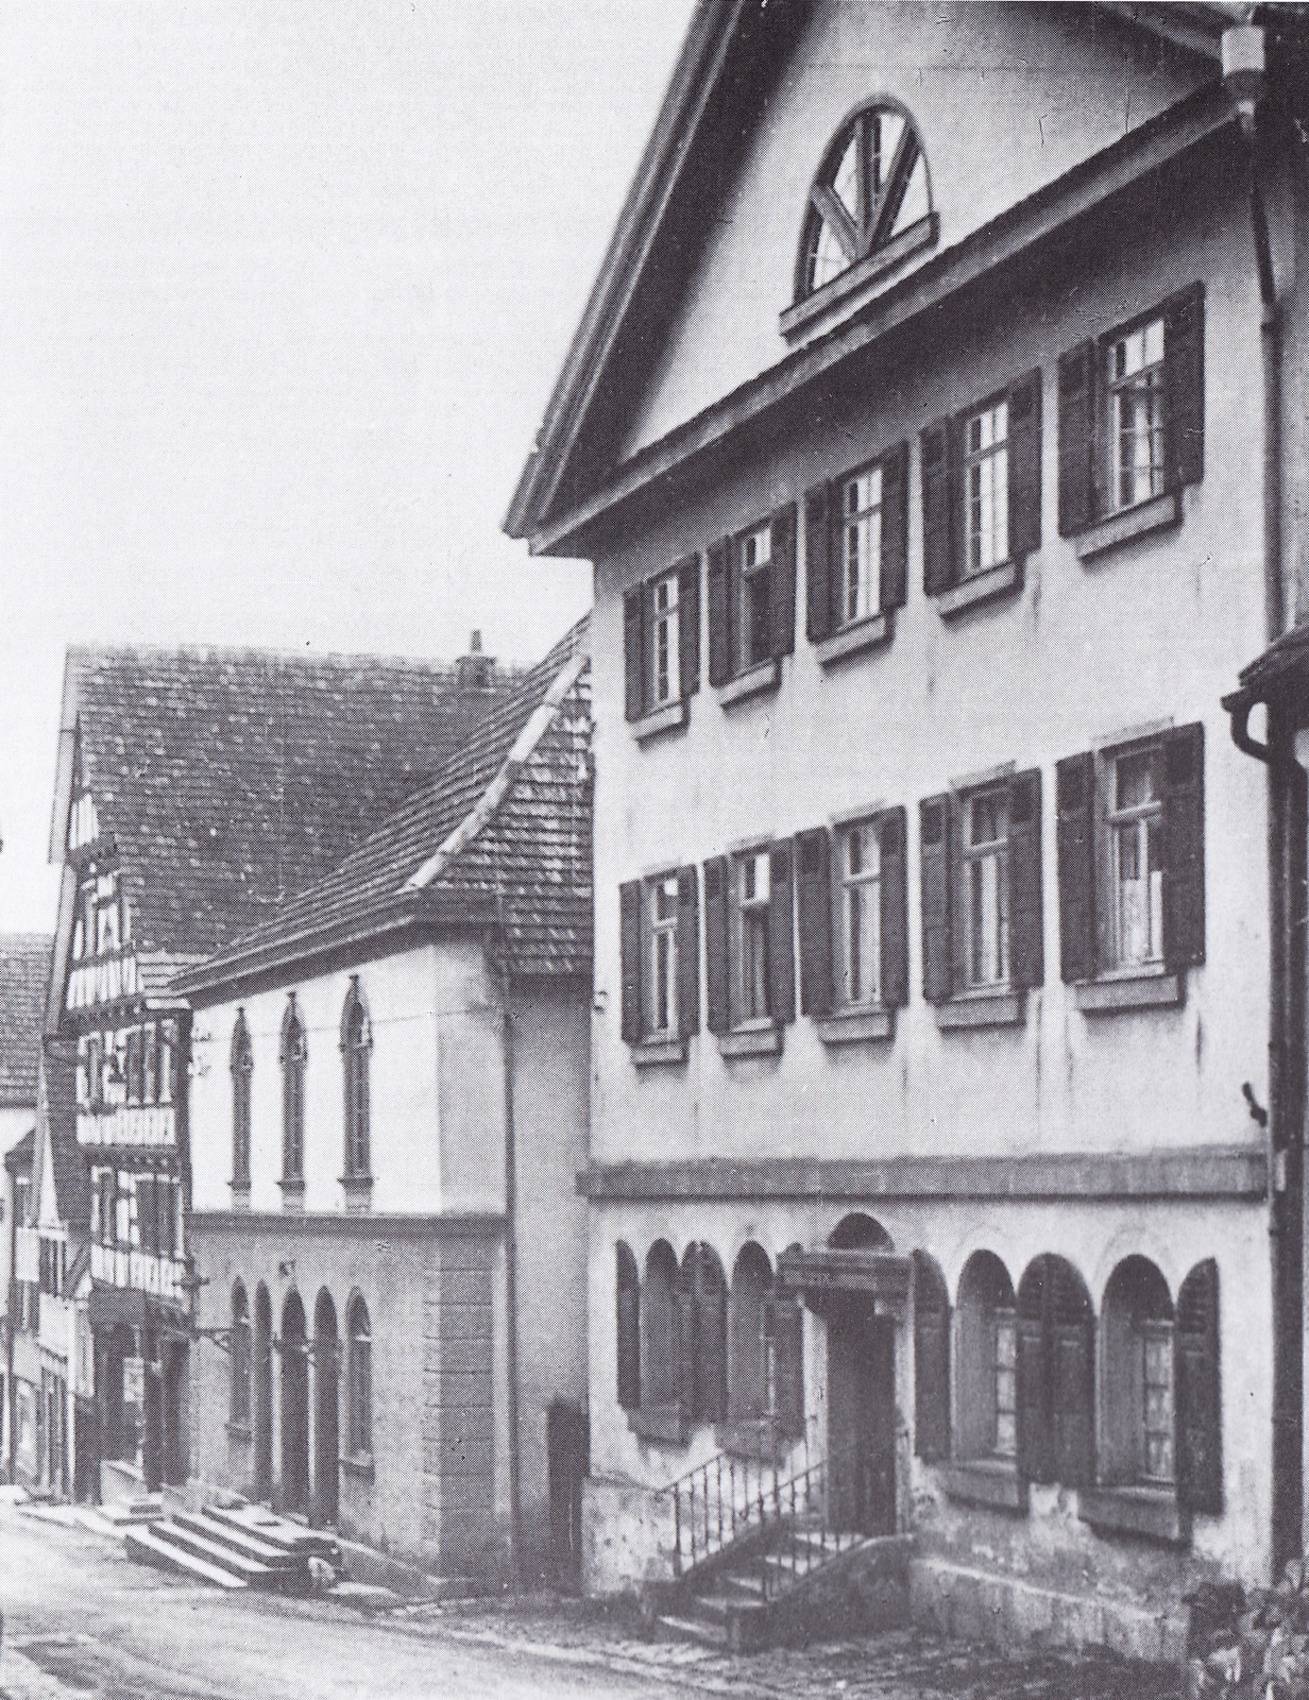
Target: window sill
759,1039
357,1464
240,1194
660,1422
977,588
240,1431
856,1026
1106,534
358,1191
857,639
756,682
293,1193
983,1481
659,1053
982,1009
848,289
672,717
1153,1512
1134,991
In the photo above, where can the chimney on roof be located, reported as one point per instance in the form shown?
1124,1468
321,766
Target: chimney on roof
476,671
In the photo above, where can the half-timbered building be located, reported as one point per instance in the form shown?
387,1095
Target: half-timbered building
936,429
196,790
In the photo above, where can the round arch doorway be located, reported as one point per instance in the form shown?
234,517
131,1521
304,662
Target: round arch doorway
295,1406
326,1416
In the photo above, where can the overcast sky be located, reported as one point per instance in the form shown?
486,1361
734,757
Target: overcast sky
283,291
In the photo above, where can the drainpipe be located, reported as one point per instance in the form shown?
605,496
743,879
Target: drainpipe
1243,75
511,1267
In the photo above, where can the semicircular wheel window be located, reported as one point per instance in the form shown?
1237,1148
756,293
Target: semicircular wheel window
871,187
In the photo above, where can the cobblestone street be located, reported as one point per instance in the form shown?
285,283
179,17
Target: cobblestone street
81,1619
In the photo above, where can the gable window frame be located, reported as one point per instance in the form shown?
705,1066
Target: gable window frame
959,891
661,643
1096,510
751,592
964,466
1168,825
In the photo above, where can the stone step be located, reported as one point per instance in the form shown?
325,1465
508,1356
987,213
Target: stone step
233,1540
212,1552
266,1525
713,1635
145,1547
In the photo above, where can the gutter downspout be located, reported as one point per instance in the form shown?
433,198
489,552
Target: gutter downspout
1243,75
511,1268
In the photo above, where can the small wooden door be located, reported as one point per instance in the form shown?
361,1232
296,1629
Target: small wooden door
568,1442
860,1419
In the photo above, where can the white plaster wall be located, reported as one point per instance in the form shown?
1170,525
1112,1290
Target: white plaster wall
401,993
15,1122
1094,1237
1007,99
1154,630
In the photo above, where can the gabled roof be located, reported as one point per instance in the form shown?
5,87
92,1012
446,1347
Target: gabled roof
56,1130
500,839
19,1157
229,779
24,971
731,61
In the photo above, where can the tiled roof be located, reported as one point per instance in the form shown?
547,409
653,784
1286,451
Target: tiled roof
72,1177
19,1157
520,788
230,779
24,972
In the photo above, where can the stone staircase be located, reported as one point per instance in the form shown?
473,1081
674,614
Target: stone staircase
760,1566
234,1547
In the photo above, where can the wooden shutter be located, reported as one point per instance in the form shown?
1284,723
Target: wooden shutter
1184,846
688,624
1035,1451
1025,465
720,620
1026,927
813,853
629,906
939,564
893,898
1197,1392
781,578
895,510
146,1220
711,1342
718,1017
788,1344
818,562
1073,1403
958,925
1075,798
934,873
688,952
1078,437
634,651
1184,386
931,1363
781,950
684,1301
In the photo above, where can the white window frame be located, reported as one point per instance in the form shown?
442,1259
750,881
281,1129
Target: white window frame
756,579
749,914
1143,817
665,682
1004,1368
986,487
984,894
661,954
1138,412
854,890
861,544
1157,1333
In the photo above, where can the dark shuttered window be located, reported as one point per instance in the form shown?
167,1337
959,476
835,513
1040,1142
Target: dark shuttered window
1056,1357
629,902
855,545
703,1345
981,486
934,857
931,1361
781,950
894,914
1131,412
1131,856
1199,1392
1026,928
688,952
851,905
813,901
661,639
751,589
628,1297
718,1016
660,951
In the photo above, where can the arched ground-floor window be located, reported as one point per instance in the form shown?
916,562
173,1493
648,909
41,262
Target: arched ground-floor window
986,1327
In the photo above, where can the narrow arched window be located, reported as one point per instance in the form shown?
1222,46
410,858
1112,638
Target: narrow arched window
293,1094
660,1324
1137,1393
703,1302
1056,1374
986,1359
241,1358
629,1329
360,1411
242,1069
752,1366
356,1043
